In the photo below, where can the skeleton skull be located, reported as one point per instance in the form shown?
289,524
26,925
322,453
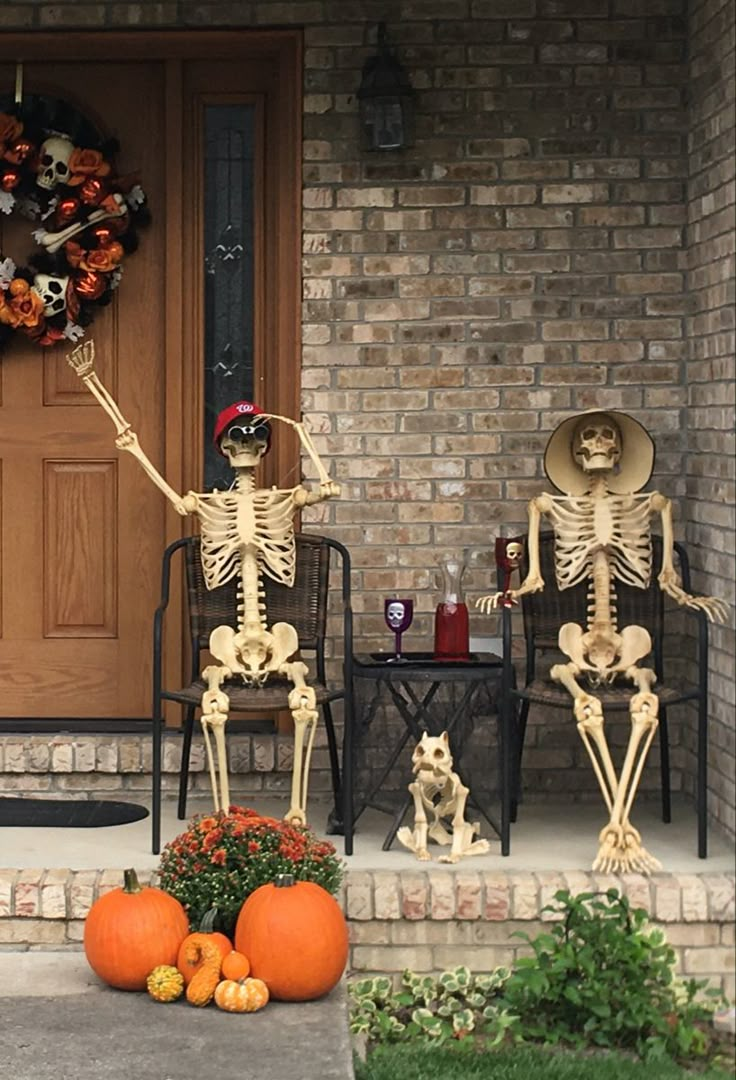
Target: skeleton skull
53,166
596,444
395,614
245,442
514,552
52,291
432,754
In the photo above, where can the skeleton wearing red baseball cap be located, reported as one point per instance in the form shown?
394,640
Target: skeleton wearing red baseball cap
246,532
242,420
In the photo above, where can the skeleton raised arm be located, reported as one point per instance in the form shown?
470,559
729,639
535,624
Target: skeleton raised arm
328,489
82,361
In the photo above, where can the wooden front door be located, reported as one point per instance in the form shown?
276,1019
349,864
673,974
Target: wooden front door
82,529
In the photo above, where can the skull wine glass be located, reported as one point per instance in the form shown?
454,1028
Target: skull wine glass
398,615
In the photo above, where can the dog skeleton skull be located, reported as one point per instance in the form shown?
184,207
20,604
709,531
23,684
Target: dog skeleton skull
439,791
245,533
602,535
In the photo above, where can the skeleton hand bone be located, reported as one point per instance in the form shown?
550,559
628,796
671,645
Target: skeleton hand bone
493,601
715,608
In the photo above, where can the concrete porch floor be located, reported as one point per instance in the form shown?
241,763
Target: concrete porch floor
547,837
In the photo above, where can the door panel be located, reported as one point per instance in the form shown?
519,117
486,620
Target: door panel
82,529
79,574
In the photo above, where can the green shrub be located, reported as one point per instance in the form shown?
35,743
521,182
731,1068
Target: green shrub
599,977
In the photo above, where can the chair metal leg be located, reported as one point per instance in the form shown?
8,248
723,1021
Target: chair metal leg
348,753
156,780
518,751
186,748
701,794
508,772
335,819
664,760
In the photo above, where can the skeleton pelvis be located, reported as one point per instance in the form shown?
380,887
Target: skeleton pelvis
255,653
602,650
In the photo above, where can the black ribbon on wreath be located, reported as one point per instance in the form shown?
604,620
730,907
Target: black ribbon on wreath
58,170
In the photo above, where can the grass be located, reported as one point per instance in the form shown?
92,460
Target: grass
410,1062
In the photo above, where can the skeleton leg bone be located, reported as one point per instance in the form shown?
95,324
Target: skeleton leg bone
621,847
416,839
463,831
589,716
215,709
303,705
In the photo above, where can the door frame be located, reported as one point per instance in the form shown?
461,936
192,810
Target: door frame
277,344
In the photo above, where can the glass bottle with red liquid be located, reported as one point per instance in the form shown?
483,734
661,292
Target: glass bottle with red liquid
451,630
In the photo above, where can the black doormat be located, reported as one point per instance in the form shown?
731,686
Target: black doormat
67,813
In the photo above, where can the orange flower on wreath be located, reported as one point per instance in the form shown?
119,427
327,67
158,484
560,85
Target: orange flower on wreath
10,129
86,163
101,260
21,306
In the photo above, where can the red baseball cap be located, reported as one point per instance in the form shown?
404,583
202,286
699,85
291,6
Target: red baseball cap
240,410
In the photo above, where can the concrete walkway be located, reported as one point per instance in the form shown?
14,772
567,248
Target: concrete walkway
59,1022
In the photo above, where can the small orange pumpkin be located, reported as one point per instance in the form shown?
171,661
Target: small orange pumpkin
130,931
189,960
296,938
235,966
241,995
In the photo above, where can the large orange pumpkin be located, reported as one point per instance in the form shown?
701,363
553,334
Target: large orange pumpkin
132,930
296,938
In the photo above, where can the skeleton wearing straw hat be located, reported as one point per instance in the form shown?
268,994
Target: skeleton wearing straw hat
600,461
247,533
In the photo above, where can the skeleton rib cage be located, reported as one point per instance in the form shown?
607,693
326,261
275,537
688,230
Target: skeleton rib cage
628,546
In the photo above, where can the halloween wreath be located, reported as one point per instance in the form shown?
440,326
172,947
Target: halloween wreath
56,170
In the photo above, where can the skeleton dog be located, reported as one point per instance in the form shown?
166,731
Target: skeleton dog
601,523
438,791
248,533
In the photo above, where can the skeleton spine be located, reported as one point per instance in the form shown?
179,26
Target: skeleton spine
601,591
251,604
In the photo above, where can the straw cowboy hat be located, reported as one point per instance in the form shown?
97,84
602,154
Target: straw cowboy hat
634,467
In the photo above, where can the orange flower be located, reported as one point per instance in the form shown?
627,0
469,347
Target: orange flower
10,128
24,308
102,259
86,163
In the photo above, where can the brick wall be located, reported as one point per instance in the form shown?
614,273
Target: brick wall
428,922
710,368
524,260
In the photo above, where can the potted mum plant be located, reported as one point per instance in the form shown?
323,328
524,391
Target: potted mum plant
223,857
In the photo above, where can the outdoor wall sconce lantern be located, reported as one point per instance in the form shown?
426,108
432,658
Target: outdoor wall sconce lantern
386,100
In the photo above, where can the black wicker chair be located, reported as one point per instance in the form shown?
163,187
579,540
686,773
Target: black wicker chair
322,571
543,615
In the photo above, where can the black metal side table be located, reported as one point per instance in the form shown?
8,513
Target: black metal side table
413,684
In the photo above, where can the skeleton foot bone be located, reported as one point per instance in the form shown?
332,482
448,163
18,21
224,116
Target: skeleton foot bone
622,852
